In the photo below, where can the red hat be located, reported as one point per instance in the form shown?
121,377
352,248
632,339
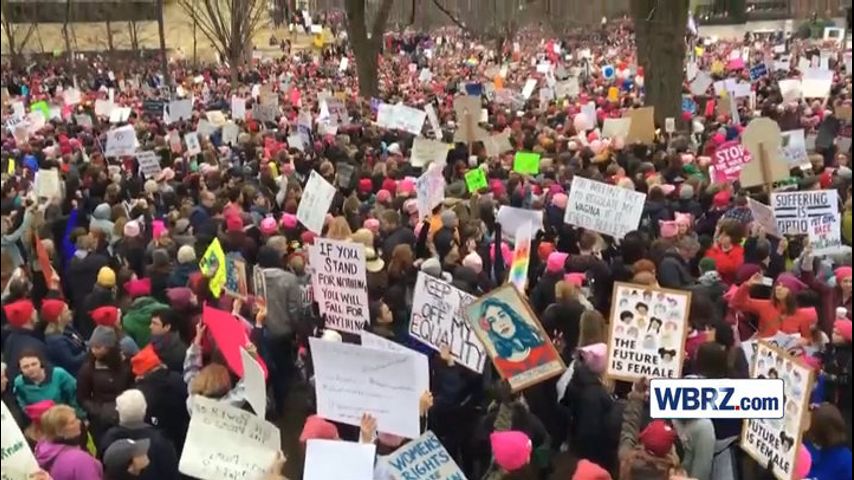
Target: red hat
145,361
317,428
843,329
19,313
140,287
51,310
587,470
721,199
307,238
365,185
107,316
390,185
658,438
234,223
35,411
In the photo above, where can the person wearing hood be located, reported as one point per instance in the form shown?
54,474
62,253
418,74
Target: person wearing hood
58,452
65,346
21,335
165,395
86,270
100,222
673,270
187,265
543,293
131,408
394,233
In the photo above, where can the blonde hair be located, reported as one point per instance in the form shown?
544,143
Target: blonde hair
55,420
591,329
339,229
212,381
565,290
645,278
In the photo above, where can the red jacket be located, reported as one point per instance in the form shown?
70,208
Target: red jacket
727,263
772,320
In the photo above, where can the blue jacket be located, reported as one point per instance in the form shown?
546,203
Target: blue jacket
66,350
830,463
68,247
19,340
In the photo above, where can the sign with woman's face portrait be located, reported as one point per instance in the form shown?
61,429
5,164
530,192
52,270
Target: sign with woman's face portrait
520,349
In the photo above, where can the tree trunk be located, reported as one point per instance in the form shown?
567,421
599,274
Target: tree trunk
161,31
660,37
367,44
109,36
367,66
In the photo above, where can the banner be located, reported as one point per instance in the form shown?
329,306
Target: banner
149,164
825,234
794,210
315,201
226,442
649,327
603,208
212,265
521,257
728,160
18,460
330,459
778,440
339,283
424,458
351,380
519,348
438,320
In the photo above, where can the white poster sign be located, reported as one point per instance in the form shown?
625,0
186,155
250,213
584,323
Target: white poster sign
254,383
434,121
47,184
825,233
121,141
149,163
793,210
351,380
429,191
18,460
603,208
426,151
764,216
193,145
238,108
422,363
438,320
180,110
339,283
315,202
226,442
794,148
409,119
328,459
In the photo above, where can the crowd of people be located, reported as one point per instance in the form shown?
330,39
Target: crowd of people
105,350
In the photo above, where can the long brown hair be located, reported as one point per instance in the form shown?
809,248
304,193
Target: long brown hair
401,261
827,428
592,329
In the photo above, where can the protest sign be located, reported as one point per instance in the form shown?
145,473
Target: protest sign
265,112
315,201
193,145
762,140
794,148
475,179
789,343
328,459
212,265
235,276
254,384
429,190
764,216
616,127
149,163
226,442
512,218
728,160
385,116
437,321
424,458
825,234
794,210
47,184
230,335
790,89
526,163
119,114
519,348
521,257
758,71
351,380
71,96
603,208
18,460
409,119
259,282
344,172
154,108
649,326
180,110
701,83
422,363
642,128
567,88
215,117
816,82
425,151
778,440
121,141
238,108
497,144
434,121
230,131
103,107
467,110
339,283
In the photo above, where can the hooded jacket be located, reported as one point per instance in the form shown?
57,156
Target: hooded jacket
136,321
58,386
161,452
166,396
673,271
66,462
100,221
283,302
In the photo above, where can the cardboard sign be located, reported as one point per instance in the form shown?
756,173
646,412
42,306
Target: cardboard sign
339,283
238,108
121,142
519,348
315,202
18,459
326,459
245,445
424,458
429,190
825,234
764,216
212,266
795,210
426,151
728,161
778,440
526,163
475,180
47,184
438,320
521,257
351,380
180,110
616,127
603,208
642,128
762,139
649,326
794,148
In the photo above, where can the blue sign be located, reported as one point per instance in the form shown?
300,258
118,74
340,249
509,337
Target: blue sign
689,105
474,89
609,72
424,458
758,71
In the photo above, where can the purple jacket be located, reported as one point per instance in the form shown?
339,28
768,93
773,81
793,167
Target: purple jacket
66,462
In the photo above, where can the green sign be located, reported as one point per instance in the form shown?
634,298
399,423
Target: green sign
41,106
475,179
526,162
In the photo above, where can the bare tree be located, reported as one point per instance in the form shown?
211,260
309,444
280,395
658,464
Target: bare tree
229,25
497,22
366,44
17,34
110,44
660,37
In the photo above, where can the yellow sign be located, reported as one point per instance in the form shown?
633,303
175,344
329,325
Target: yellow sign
212,266
10,168
718,66
699,51
613,94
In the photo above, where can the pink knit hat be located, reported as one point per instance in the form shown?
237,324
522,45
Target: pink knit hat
318,428
576,279
511,449
683,218
669,228
803,463
556,261
405,187
505,253
793,283
842,273
268,226
559,200
289,220
595,356
372,224
383,196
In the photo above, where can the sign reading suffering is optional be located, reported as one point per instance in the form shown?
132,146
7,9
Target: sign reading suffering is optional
794,210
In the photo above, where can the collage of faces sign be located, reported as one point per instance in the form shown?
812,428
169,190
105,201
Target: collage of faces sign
648,331
795,210
778,440
339,283
437,321
519,347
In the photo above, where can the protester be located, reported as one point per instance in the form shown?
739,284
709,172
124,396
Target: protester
58,452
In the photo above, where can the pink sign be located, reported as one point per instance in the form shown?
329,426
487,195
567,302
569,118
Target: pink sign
728,160
229,333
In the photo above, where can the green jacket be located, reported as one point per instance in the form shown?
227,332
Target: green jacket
138,317
58,386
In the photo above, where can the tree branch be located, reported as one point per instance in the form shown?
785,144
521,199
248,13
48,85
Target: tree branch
450,15
381,19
